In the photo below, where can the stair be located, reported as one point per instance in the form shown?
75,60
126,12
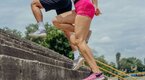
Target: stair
22,59
11,40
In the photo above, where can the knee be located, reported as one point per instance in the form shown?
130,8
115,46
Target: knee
73,39
33,3
56,22
81,45
36,3
76,41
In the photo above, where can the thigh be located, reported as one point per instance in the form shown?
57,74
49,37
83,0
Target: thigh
82,25
66,18
37,2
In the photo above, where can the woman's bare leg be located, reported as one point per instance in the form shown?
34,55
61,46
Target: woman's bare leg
82,25
68,34
65,22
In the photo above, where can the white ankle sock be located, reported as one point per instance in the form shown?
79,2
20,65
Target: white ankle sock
41,26
76,54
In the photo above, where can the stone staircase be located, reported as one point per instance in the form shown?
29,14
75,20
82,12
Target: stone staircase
22,59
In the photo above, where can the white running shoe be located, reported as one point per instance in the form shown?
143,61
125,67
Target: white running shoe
78,63
38,33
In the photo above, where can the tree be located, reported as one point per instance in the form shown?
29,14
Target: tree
13,31
144,61
54,40
29,29
132,64
118,55
102,59
113,64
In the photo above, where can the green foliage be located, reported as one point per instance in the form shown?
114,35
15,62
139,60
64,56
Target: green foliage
29,29
13,31
113,64
132,64
55,39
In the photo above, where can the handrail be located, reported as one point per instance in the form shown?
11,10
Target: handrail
115,69
111,73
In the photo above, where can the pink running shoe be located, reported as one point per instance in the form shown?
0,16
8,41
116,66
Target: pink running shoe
95,76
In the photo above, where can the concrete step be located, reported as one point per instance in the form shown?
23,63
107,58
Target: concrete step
11,40
23,54
12,68
25,49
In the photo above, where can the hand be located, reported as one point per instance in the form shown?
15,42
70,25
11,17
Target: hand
97,12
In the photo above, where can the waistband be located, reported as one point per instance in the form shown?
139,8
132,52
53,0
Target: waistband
75,1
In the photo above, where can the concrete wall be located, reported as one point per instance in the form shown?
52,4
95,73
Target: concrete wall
24,60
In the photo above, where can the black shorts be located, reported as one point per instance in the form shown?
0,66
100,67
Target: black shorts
60,6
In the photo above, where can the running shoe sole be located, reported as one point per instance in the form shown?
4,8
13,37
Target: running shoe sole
79,64
36,36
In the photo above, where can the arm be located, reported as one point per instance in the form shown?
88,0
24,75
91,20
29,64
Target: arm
95,3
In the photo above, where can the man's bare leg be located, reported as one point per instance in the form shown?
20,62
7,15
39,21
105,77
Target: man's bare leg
36,9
